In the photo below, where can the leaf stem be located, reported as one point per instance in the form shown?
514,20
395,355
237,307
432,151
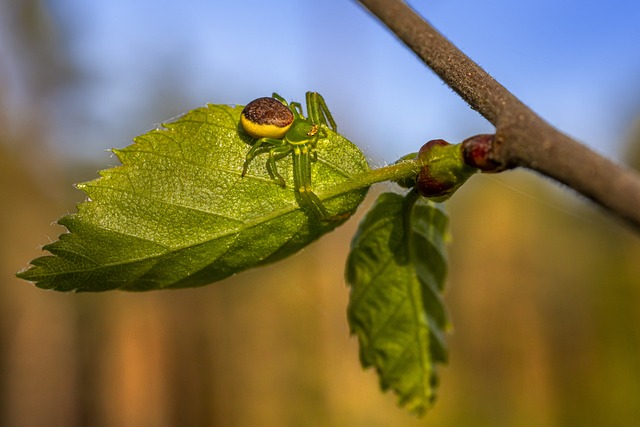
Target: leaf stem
397,171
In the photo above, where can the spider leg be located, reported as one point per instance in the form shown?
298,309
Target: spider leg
279,98
318,111
253,152
302,181
296,109
275,154
262,146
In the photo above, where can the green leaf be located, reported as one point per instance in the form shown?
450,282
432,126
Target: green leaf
396,270
177,213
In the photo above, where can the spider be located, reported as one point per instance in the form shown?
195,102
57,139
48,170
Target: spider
280,129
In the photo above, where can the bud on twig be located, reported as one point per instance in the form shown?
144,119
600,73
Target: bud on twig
430,184
443,170
477,152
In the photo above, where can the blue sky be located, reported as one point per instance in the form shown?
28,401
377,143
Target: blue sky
575,63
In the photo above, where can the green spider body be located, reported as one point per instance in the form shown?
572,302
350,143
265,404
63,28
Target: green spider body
281,129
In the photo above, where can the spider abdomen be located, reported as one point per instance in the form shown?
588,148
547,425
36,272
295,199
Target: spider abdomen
266,118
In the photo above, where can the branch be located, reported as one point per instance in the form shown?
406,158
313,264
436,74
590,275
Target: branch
522,137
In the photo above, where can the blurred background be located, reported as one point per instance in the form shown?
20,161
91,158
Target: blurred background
543,289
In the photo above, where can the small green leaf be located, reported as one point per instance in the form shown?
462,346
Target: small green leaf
396,270
177,213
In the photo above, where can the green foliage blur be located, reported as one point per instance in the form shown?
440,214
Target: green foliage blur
543,294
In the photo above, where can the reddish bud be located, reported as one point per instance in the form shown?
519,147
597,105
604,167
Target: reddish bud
426,147
430,184
477,152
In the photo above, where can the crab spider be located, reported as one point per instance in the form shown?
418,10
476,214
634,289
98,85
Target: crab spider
280,129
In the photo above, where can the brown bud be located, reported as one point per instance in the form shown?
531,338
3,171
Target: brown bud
477,152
